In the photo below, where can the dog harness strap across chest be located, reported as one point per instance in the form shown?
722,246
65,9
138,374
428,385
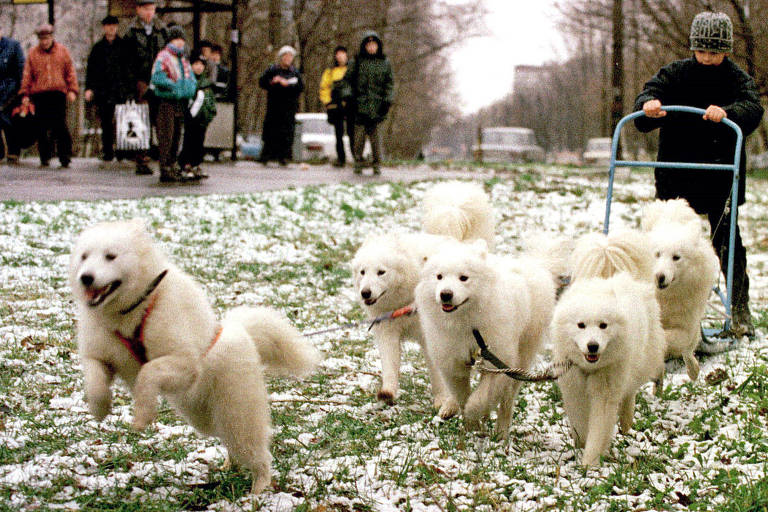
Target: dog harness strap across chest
135,344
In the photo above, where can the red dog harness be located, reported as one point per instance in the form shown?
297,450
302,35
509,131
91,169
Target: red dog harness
135,344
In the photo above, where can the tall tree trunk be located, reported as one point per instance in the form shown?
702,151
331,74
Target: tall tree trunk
273,24
617,106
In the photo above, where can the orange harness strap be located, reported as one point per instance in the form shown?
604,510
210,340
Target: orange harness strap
214,340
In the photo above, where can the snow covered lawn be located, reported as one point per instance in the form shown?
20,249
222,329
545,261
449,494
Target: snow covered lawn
703,446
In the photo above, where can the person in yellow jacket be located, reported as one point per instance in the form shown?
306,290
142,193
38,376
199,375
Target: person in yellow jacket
339,111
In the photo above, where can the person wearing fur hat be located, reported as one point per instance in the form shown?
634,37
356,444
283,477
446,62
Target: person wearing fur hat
106,81
49,83
711,81
201,111
174,84
283,84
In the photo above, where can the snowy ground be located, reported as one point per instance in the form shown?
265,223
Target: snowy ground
702,446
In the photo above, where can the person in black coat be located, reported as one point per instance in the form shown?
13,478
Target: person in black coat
106,81
711,81
11,70
283,84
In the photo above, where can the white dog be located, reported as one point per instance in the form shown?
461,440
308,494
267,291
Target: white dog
610,330
386,270
509,301
599,255
460,210
142,319
685,270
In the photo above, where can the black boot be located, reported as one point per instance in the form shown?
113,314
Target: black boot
741,323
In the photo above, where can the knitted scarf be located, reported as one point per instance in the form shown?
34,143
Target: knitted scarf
169,57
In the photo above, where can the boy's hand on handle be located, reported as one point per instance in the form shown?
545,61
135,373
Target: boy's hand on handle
652,108
715,114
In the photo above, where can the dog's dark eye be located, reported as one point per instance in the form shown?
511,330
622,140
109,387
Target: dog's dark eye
439,277
581,325
463,278
676,257
110,256
603,325
362,272
84,256
658,254
381,272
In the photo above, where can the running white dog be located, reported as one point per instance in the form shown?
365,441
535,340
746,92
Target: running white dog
610,330
686,268
460,210
142,319
386,270
508,301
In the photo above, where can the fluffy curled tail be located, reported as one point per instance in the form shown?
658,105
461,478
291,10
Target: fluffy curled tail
460,210
602,256
283,350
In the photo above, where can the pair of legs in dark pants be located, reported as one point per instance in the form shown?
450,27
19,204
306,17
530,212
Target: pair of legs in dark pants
170,119
51,114
362,131
338,127
194,138
721,227
107,118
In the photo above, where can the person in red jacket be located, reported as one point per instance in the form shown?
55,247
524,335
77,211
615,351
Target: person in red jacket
49,82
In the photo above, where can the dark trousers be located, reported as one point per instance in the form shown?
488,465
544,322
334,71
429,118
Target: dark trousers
194,138
9,146
51,113
142,156
721,228
107,118
338,126
170,120
358,146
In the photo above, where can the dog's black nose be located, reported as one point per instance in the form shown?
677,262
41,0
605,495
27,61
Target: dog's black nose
366,294
446,295
592,347
86,279
661,279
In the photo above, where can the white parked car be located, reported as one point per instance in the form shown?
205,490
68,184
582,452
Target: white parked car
318,140
509,144
597,151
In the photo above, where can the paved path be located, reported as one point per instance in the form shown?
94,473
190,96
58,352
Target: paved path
85,179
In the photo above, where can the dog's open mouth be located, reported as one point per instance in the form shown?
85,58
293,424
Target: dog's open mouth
449,308
372,300
592,358
96,296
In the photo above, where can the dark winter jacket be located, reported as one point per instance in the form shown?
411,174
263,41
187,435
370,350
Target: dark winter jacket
370,83
11,71
282,105
208,109
144,48
688,138
107,74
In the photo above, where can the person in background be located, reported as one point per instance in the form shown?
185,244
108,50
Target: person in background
283,84
201,111
711,81
174,84
146,36
338,109
220,76
11,71
49,82
369,83
106,81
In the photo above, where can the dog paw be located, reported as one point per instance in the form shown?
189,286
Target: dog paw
100,409
387,396
260,483
142,420
449,409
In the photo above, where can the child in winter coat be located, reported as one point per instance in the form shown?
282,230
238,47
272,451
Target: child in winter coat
201,111
174,85
711,81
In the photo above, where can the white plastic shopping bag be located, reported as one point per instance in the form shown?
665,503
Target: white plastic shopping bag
133,127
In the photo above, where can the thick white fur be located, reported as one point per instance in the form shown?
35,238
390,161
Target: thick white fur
621,316
460,210
686,267
220,392
509,301
599,255
386,269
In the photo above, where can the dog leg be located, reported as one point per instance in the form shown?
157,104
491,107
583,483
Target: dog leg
573,389
603,412
456,378
98,379
439,391
506,407
626,414
489,393
691,365
389,349
168,374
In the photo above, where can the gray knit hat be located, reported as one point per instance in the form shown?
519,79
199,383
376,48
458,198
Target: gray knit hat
176,32
712,32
